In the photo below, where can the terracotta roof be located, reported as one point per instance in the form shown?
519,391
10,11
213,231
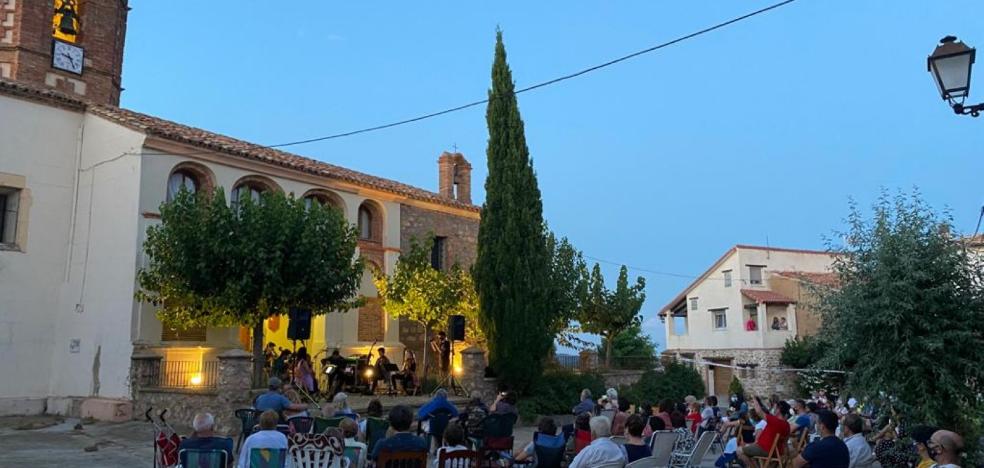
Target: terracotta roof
974,241
764,296
214,142
822,279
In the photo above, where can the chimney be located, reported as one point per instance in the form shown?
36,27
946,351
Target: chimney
454,176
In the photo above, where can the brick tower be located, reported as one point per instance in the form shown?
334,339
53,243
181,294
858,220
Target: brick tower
74,46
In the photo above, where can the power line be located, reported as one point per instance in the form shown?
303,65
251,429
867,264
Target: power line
531,87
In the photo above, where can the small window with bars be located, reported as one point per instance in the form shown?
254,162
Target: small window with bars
9,205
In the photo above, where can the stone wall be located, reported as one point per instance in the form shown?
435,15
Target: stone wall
754,380
234,391
473,378
621,378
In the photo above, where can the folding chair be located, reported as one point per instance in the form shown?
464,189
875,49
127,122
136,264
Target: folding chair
323,424
497,437
267,458
248,418
648,462
300,424
620,440
457,459
354,455
612,465
797,446
438,422
311,457
695,456
774,456
402,460
375,431
194,458
662,446
722,438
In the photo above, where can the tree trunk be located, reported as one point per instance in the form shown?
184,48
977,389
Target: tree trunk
258,355
424,365
608,353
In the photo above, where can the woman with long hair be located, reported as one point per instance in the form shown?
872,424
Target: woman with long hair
303,371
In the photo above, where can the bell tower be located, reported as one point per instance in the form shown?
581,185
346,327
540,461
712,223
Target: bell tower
73,46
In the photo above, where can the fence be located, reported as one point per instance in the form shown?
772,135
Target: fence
202,375
569,361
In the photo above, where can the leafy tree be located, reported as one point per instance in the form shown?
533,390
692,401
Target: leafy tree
736,388
512,271
424,294
609,313
905,322
675,382
632,349
569,285
212,266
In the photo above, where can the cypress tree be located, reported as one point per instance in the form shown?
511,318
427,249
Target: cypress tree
512,271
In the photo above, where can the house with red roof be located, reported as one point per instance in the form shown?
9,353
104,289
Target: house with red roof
735,318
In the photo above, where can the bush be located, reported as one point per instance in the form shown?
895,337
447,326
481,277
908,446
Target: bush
675,382
735,387
556,392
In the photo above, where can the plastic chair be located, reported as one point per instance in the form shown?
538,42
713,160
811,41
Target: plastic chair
695,456
498,435
648,462
661,445
402,460
620,440
311,457
549,450
375,431
323,424
195,458
301,424
248,418
612,465
267,458
354,455
457,459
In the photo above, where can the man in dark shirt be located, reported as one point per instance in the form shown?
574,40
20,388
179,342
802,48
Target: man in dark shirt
444,347
204,438
337,375
400,419
829,451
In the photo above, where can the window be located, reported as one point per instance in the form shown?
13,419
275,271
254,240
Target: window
727,278
720,318
693,303
9,204
365,223
181,180
755,274
246,191
437,253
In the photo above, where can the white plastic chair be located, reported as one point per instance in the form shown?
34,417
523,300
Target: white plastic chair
648,462
612,465
620,440
662,446
310,457
695,456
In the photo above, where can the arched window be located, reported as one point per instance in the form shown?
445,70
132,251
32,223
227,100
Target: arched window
365,223
247,190
181,180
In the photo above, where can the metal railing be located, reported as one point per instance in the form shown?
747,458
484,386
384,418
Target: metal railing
196,375
569,361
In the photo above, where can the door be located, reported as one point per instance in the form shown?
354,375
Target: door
722,378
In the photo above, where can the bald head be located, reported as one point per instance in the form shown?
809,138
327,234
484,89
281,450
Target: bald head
949,441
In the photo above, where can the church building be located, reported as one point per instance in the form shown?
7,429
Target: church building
82,179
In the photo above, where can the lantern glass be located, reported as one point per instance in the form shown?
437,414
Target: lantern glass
952,74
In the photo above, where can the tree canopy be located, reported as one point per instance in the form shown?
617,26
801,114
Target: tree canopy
608,313
213,265
905,321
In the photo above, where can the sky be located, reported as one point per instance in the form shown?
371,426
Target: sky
757,133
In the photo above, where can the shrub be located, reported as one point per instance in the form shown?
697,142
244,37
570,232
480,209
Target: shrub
556,392
675,382
735,387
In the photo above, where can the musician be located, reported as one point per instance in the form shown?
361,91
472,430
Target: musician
338,374
383,371
409,370
443,347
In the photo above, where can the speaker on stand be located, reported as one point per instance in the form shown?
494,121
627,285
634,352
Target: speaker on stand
456,332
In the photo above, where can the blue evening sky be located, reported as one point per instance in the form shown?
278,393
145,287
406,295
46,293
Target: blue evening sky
758,131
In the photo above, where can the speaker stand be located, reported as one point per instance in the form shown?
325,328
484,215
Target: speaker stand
450,382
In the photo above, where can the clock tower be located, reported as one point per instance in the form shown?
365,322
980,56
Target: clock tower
73,46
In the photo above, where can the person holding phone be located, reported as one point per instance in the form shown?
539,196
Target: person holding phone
776,432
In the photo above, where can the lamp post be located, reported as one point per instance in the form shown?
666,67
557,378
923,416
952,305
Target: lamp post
950,64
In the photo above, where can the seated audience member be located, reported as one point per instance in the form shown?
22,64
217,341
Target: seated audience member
268,437
582,431
602,449
474,415
350,429
801,420
920,436
665,408
505,403
342,408
829,451
454,440
439,403
618,422
204,437
653,424
527,454
857,446
693,417
374,410
685,442
586,405
400,419
776,431
889,450
635,447
276,401
945,447
710,416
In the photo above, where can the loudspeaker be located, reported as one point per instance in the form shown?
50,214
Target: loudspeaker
456,328
299,324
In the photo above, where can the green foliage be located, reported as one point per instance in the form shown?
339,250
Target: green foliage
632,349
805,353
569,285
735,387
675,382
213,266
557,392
427,295
513,268
906,319
609,313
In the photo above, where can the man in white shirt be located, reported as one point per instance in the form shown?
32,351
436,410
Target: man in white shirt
267,437
857,446
602,450
711,414
945,447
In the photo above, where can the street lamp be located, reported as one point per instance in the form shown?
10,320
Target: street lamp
950,65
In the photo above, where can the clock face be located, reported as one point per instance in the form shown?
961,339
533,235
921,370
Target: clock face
68,57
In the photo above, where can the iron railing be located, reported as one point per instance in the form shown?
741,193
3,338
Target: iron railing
196,375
